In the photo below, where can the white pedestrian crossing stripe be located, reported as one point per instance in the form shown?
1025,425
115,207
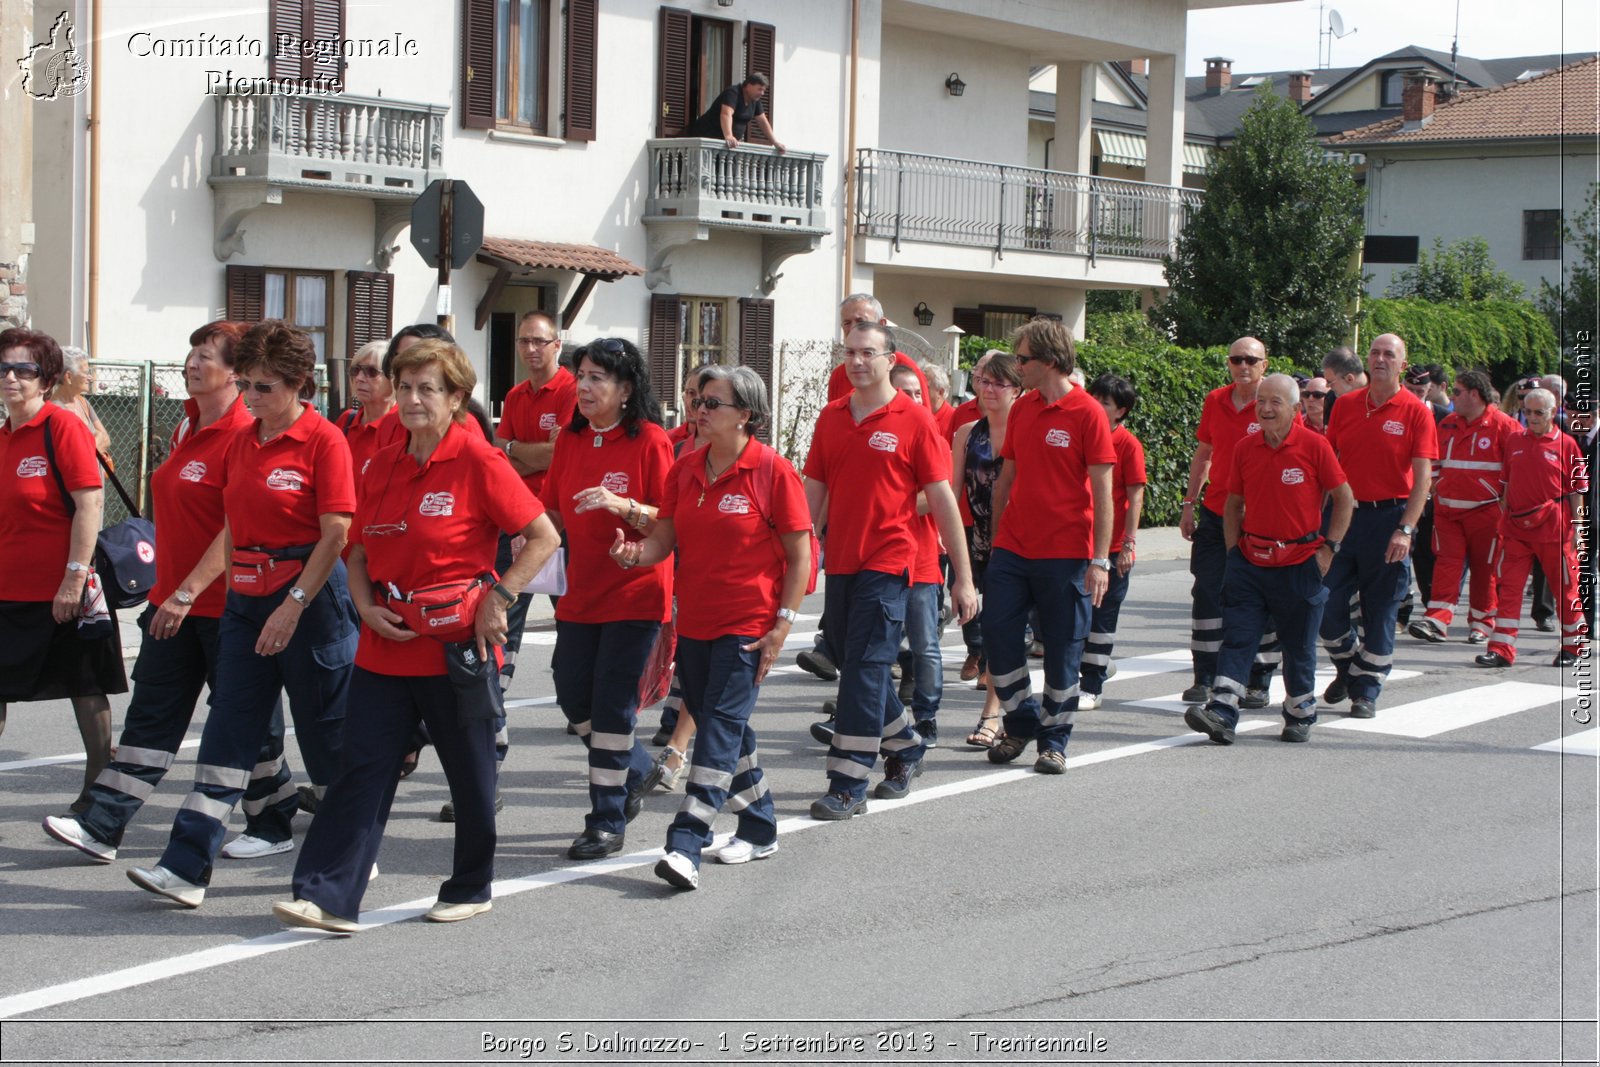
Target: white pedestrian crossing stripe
1275,692
1586,743
1452,711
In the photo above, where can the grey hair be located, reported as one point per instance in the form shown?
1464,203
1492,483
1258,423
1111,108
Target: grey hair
749,391
1342,362
870,300
1556,384
1542,393
73,358
937,378
371,348
1294,386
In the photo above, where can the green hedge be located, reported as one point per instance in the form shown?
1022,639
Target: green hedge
1508,338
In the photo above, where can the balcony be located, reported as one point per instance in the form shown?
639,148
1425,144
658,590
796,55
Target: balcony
1099,229
383,150
698,185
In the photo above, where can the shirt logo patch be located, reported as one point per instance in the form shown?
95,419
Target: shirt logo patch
616,481
1254,427
193,471
734,504
1293,476
445,620
437,504
1483,442
884,441
1396,427
288,481
547,421
33,467
1551,456
1058,439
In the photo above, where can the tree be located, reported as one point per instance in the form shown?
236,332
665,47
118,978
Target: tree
1461,273
1271,251
1573,304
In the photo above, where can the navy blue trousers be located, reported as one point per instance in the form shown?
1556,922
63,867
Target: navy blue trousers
1103,634
1359,568
597,668
1014,585
1208,561
1255,599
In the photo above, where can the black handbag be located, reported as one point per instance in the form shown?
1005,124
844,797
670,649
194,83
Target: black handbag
476,680
124,554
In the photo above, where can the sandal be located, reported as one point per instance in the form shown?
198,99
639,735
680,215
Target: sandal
662,775
986,732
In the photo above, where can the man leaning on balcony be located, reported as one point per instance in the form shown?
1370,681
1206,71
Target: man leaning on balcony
730,116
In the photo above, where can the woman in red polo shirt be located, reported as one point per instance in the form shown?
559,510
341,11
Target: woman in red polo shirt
610,466
421,573
736,513
371,422
288,624
178,657
42,655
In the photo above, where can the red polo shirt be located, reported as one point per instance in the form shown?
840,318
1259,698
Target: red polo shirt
366,438
1538,469
725,544
186,503
529,414
965,412
1376,445
683,437
1222,426
1129,470
873,470
1468,474
34,525
454,507
1283,487
275,493
839,381
634,467
1050,513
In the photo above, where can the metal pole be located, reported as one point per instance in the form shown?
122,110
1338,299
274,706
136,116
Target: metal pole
446,250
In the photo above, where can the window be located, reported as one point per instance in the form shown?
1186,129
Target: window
1382,249
520,45
988,320
703,330
1541,234
696,64
1394,88
302,297
505,66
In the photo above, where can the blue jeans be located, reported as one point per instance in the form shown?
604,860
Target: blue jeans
719,679
597,667
1360,568
314,669
866,617
1253,599
1054,588
1208,562
927,662
342,845
1103,633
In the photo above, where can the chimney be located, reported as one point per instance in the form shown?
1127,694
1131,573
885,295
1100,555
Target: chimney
1416,101
1300,86
1139,66
1219,75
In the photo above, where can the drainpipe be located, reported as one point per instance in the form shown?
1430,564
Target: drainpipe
92,305
850,152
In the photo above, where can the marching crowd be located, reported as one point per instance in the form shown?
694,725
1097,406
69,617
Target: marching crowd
378,569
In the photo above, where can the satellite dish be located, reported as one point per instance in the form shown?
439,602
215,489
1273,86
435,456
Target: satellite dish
1336,24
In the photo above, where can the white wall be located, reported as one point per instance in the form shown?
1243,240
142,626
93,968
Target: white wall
917,113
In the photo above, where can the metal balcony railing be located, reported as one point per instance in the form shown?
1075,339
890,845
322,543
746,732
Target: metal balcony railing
357,143
905,196
753,187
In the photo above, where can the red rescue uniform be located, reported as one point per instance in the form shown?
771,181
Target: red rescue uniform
725,542
453,508
1376,443
186,496
1283,489
1050,513
634,467
1129,470
34,525
274,493
895,451
1466,522
367,438
1223,426
530,415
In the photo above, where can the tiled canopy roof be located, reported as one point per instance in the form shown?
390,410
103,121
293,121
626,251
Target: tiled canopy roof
584,259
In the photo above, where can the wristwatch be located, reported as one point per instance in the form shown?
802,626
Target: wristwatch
1101,562
1409,531
506,448
505,594
298,595
74,566
1333,546
788,614
182,597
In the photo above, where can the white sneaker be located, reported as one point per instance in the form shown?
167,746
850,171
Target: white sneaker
164,883
70,831
373,877
741,851
678,870
245,847
442,912
1088,701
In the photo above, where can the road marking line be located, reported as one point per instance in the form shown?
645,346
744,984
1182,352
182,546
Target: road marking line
1586,743
1453,711
204,959
1275,692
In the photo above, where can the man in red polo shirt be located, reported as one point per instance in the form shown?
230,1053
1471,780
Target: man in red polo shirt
1228,417
537,407
1276,559
1386,442
1053,520
871,452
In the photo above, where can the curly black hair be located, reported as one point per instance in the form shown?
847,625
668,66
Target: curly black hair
624,362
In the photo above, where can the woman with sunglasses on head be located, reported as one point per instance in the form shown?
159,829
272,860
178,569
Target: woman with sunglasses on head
47,457
178,656
609,468
421,573
288,624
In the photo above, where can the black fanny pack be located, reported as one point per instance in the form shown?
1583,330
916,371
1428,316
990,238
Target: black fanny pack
475,679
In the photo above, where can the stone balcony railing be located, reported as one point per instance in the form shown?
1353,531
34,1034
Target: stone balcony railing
749,187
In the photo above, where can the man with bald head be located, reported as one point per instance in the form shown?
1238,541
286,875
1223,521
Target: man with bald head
1386,442
1228,417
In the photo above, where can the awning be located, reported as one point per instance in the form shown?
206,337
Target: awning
510,256
1128,150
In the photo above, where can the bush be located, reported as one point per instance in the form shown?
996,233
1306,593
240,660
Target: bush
1462,272
1507,338
1122,329
973,347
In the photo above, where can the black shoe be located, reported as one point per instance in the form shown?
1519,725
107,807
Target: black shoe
816,663
1008,748
1202,720
1491,659
822,732
661,737
595,845
897,775
1564,658
929,729
1545,626
836,807
1364,709
635,802
1296,730
1254,699
448,812
908,686
1339,688
308,799
1198,693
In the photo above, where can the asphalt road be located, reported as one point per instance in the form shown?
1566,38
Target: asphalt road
1417,888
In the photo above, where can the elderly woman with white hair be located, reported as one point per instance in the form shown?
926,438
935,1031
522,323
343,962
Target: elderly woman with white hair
72,392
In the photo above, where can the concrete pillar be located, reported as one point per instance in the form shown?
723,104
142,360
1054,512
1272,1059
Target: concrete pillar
1074,147
16,167
1163,163
1074,306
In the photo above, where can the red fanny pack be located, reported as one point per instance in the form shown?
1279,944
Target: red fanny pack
1533,518
447,612
255,573
1265,553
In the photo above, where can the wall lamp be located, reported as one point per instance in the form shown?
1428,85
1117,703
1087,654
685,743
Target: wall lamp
724,3
924,314
955,84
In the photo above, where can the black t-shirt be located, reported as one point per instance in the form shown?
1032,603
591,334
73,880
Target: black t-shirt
710,124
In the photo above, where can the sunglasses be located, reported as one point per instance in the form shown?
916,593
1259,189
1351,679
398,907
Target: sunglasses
25,372
366,370
1245,361
610,344
710,403
1314,396
1024,360
245,385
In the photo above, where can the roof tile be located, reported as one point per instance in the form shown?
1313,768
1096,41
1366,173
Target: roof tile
585,259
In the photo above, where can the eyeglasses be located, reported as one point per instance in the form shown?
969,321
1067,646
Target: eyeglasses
25,372
426,391
1022,359
991,383
711,403
1314,396
536,342
1245,361
245,385
384,529
366,370
862,353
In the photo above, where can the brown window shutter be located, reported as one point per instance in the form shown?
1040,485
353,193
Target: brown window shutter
662,349
760,56
673,116
582,46
477,64
312,20
755,349
284,17
327,24
369,308
247,293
